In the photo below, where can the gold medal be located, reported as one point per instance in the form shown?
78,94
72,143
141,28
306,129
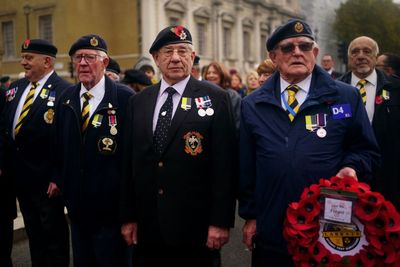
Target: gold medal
48,116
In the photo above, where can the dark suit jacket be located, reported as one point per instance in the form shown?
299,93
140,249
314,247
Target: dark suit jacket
386,125
29,160
182,192
335,75
88,170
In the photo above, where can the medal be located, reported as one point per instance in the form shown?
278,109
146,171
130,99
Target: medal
113,130
112,121
209,111
97,119
48,116
321,132
44,93
186,103
201,112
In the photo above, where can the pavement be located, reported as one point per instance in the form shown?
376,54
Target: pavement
234,254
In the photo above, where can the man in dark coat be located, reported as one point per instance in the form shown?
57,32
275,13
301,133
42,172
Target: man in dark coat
300,126
383,107
327,64
89,127
27,134
178,196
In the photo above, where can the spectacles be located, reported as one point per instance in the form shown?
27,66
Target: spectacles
290,47
168,52
89,58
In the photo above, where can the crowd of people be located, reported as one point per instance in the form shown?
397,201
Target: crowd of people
150,171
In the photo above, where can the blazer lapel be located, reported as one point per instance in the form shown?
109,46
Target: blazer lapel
148,111
14,104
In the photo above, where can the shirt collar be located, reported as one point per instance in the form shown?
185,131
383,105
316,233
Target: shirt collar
179,87
45,78
96,91
304,84
372,78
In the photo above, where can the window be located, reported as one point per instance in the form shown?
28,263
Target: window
246,45
262,46
45,28
201,37
8,39
227,34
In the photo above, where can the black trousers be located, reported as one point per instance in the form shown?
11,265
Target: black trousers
263,256
6,241
46,227
177,256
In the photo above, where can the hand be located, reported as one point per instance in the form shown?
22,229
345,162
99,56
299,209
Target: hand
249,230
347,172
217,237
129,232
53,190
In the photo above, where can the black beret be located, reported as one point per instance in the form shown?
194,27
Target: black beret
4,79
113,66
292,28
91,41
171,35
39,46
136,76
196,60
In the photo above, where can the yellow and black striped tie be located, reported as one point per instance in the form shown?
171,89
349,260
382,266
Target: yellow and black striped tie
26,107
85,109
292,101
362,91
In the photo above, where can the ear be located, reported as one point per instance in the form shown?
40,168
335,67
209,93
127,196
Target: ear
106,60
272,56
315,51
155,56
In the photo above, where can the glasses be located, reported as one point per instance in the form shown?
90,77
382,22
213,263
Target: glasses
168,52
290,47
356,51
89,58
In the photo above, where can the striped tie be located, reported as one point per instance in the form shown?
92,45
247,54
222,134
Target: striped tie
292,101
85,109
362,91
26,107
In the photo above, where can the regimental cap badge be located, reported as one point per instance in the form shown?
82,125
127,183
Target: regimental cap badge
94,41
26,43
179,31
298,27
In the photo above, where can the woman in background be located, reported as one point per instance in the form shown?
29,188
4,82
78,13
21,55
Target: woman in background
265,70
252,82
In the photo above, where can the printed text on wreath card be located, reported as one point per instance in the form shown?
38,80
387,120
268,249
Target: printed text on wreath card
338,210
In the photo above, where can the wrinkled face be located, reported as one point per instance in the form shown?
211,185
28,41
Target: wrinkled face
294,58
327,62
252,82
35,65
175,62
90,66
362,56
235,82
213,76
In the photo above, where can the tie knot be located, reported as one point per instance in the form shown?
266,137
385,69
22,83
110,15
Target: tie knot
35,84
87,96
362,82
293,88
171,91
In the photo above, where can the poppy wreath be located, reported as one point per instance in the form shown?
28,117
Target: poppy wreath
381,228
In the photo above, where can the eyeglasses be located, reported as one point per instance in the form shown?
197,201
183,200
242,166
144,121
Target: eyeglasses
168,52
89,58
290,47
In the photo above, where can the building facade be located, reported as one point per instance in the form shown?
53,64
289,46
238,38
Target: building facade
231,31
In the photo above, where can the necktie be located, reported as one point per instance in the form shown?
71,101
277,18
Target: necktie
26,107
85,109
362,91
163,122
292,101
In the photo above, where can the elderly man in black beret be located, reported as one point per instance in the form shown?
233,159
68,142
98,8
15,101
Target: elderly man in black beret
300,126
178,194
90,124
113,70
27,132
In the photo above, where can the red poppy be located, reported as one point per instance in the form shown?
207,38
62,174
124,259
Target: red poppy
378,100
26,43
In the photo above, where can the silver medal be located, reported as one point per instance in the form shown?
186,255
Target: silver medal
113,130
321,132
210,111
201,112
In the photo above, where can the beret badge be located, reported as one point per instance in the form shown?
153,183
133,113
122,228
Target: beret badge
94,41
179,31
298,27
26,43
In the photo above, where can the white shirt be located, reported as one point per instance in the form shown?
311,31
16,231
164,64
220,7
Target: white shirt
162,96
370,88
25,93
97,92
301,94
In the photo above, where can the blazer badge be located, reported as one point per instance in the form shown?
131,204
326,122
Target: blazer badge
193,144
